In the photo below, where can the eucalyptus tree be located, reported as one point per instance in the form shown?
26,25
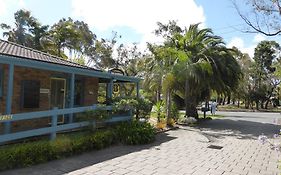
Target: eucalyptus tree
266,59
27,31
245,83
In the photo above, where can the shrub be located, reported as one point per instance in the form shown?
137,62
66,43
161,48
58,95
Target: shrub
142,107
26,154
175,112
171,122
161,125
135,132
103,139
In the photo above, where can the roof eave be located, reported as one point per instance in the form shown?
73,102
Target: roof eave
24,62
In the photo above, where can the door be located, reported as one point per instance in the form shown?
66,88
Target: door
58,88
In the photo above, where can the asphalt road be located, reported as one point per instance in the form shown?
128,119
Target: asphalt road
262,117
244,124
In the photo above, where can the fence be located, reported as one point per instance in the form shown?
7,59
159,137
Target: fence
54,128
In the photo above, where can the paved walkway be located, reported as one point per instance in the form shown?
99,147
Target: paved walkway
178,152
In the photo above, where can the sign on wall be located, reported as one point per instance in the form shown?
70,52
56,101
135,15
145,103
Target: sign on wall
116,88
6,117
44,91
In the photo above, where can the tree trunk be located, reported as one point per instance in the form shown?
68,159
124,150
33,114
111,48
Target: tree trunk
266,104
168,105
268,99
257,105
190,105
186,97
228,99
262,104
158,95
238,103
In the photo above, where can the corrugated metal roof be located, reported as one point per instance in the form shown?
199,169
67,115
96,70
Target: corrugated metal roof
13,49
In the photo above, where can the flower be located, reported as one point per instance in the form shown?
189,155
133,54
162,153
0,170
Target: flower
262,139
276,147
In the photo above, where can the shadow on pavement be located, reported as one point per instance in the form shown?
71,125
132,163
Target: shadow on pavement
67,165
242,129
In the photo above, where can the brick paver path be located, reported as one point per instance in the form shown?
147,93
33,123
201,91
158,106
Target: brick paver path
177,152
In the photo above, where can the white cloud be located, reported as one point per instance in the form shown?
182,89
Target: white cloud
3,7
258,38
239,43
140,15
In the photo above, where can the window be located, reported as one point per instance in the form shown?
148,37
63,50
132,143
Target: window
78,94
30,93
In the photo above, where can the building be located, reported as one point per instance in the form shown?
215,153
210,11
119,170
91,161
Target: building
31,81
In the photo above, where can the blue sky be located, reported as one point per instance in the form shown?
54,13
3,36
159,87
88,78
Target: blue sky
136,20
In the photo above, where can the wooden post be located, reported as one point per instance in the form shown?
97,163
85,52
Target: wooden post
72,91
7,125
138,89
109,90
54,124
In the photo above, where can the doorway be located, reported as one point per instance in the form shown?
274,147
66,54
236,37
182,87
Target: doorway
58,88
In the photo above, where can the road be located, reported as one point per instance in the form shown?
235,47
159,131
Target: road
244,124
262,117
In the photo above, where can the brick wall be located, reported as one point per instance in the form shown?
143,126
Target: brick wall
22,73
91,91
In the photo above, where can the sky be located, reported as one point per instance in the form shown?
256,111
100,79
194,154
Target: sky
136,20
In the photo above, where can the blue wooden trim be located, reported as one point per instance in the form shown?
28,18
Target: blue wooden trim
110,89
41,131
72,90
48,130
10,89
138,89
1,79
40,114
54,124
61,68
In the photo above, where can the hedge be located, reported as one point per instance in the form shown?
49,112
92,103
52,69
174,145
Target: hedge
31,153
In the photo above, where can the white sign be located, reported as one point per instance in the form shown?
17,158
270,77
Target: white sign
44,91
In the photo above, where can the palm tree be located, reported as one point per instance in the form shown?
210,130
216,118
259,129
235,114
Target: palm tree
203,64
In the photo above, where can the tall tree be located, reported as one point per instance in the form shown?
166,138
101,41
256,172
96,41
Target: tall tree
204,64
263,71
27,31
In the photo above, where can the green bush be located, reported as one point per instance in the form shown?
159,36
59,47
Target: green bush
142,107
30,153
27,154
102,139
135,132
